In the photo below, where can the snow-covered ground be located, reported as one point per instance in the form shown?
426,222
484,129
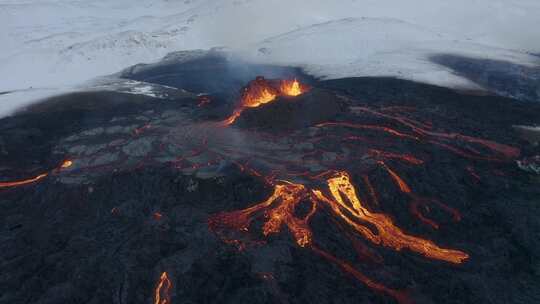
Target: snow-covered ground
50,46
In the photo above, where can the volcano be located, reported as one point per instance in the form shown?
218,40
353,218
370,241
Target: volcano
260,92
285,189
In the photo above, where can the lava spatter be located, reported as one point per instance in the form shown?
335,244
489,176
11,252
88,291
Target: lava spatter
418,201
278,210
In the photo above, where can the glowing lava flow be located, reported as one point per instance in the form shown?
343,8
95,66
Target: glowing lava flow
261,91
420,201
162,293
400,296
64,165
287,196
279,210
345,199
23,182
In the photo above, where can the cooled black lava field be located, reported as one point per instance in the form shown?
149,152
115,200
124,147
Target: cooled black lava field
358,190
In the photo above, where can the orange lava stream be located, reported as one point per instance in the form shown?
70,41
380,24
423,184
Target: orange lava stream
291,88
399,181
261,91
399,295
367,127
345,199
404,157
286,197
64,165
23,182
162,292
279,210
419,201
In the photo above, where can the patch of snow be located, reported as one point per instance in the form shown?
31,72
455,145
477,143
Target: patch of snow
376,47
63,43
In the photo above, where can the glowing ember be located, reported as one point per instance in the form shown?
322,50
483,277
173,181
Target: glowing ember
162,293
399,181
400,296
66,164
261,91
291,88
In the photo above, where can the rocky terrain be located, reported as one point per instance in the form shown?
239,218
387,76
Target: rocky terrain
134,192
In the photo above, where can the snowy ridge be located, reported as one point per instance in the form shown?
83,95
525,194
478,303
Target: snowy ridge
376,47
63,43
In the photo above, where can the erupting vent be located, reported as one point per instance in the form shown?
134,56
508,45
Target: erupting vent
261,91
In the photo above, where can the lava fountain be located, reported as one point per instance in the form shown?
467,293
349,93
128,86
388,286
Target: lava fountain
262,91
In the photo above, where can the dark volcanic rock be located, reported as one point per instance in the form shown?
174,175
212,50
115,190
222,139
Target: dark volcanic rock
148,174
500,77
287,113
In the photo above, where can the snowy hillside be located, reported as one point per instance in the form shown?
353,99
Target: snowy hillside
377,47
56,44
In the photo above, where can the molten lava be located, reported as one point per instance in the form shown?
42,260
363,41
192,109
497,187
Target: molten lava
261,91
347,206
163,290
285,198
399,181
66,164
23,182
279,210
400,296
291,88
